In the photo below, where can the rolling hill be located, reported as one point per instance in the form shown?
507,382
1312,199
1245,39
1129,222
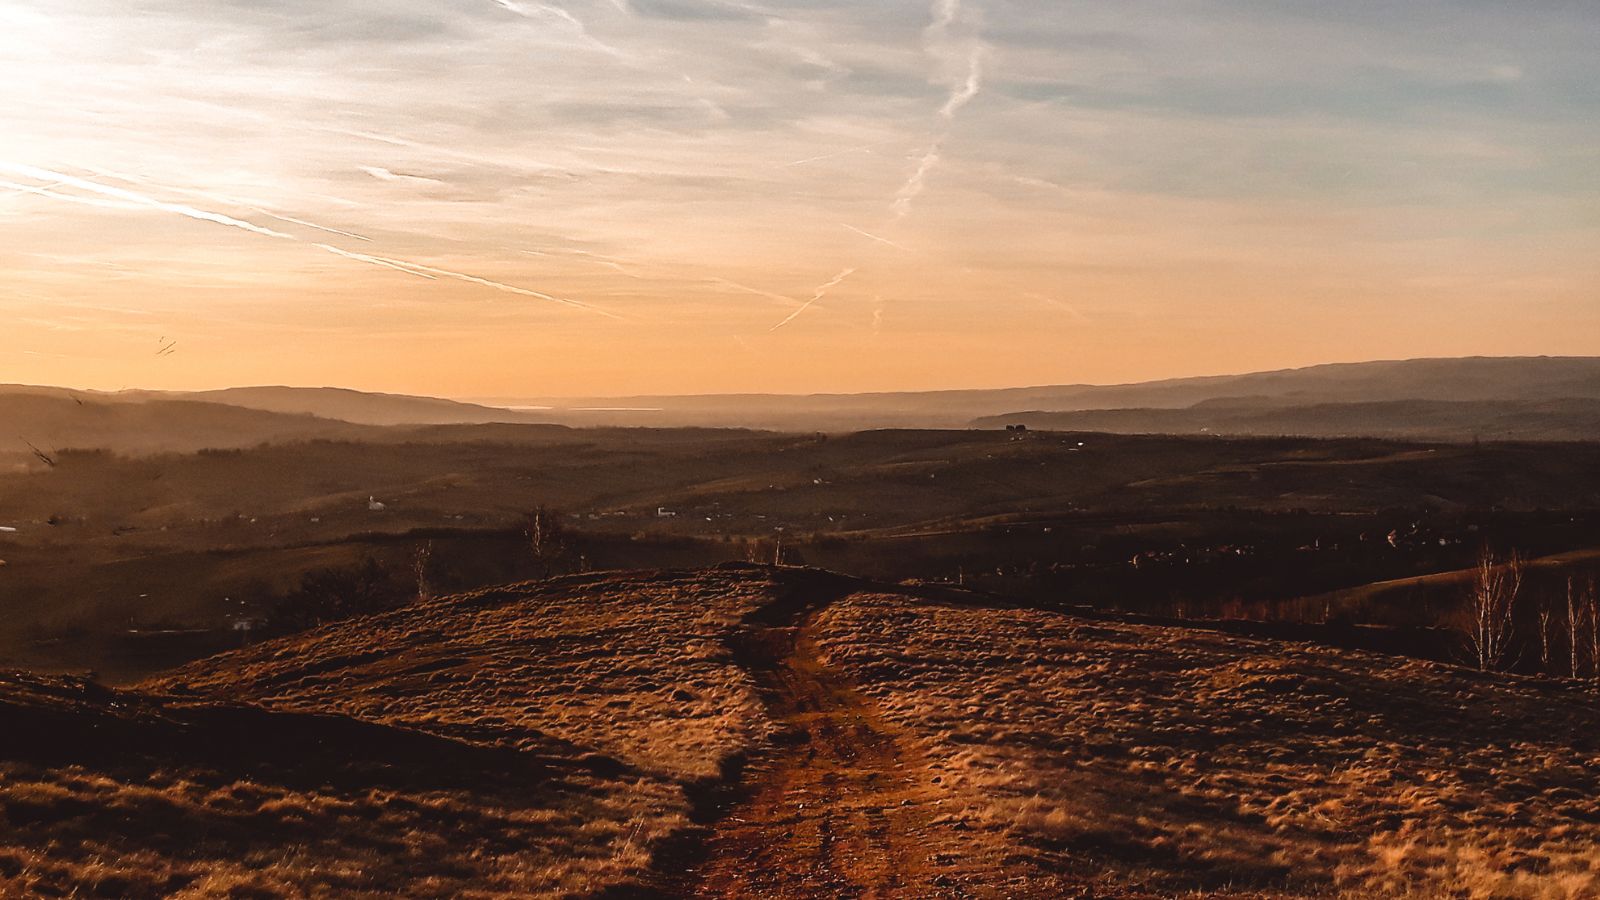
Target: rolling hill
1508,381
1533,398
1432,420
784,732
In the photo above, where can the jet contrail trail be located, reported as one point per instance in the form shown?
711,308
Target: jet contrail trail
538,11
936,42
864,148
916,183
375,260
302,222
95,187
750,290
821,292
232,201
45,191
140,200
869,235
497,285
963,94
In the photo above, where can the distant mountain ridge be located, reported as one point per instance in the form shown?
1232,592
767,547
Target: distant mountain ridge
1528,398
1432,420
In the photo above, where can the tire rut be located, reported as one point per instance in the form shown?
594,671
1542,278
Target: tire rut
840,808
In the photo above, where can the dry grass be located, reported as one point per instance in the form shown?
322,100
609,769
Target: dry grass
116,794
562,729
1148,759
633,666
548,739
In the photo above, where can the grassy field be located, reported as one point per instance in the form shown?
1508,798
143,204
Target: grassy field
786,732
1163,760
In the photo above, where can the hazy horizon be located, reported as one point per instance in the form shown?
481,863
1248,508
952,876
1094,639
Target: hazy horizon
508,401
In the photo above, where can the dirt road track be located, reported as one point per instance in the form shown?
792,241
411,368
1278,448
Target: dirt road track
842,809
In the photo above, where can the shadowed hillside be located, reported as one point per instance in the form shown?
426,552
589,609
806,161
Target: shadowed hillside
1438,420
749,731
794,734
1507,381
1501,396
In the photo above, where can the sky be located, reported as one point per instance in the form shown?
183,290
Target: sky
509,198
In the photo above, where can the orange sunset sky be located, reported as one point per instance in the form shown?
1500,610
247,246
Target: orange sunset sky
499,198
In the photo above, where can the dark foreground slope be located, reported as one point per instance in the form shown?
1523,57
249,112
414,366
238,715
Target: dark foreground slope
785,733
121,794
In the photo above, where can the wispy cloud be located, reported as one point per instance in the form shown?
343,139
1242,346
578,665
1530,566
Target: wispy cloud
547,12
383,174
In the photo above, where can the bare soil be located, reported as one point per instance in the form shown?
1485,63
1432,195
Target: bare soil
844,808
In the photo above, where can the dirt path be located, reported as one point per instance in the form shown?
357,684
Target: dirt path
843,808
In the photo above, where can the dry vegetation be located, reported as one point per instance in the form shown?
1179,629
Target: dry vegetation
116,794
1167,760
572,737
634,666
535,740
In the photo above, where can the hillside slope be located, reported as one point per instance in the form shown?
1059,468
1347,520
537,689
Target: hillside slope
57,420
1434,420
900,743
1510,386
1510,380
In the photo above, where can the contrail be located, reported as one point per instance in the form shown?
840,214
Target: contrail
497,285
375,260
871,236
543,10
821,292
95,187
750,290
916,183
864,148
293,221
964,93
27,189
233,201
596,258
936,42
39,174
383,174
70,198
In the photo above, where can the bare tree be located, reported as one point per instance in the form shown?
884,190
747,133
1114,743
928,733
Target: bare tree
1495,586
546,537
1594,629
1575,613
419,568
1546,613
